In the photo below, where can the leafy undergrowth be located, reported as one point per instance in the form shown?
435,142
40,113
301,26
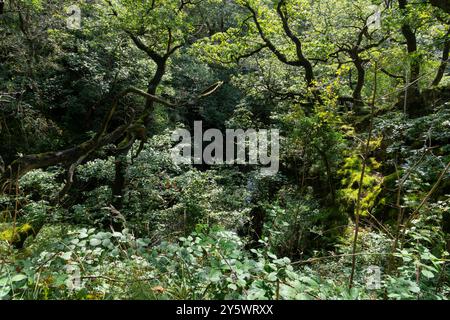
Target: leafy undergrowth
184,234
80,263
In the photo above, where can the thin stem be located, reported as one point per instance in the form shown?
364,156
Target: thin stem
361,180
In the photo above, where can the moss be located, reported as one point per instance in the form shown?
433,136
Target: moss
351,176
17,235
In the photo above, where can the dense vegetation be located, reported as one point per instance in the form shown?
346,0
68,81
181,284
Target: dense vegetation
93,207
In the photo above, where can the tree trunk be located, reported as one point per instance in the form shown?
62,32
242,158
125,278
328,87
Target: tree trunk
445,55
413,98
357,91
121,163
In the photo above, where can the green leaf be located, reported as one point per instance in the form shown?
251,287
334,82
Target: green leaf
82,235
232,286
4,292
309,281
272,276
18,277
215,275
354,293
271,255
414,288
4,281
107,243
95,242
66,255
116,234
428,274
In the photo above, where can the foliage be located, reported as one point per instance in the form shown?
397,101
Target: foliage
92,206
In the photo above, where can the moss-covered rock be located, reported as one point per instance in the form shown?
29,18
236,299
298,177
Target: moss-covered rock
17,236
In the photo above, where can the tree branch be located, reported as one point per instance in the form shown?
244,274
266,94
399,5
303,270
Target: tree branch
267,41
305,63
